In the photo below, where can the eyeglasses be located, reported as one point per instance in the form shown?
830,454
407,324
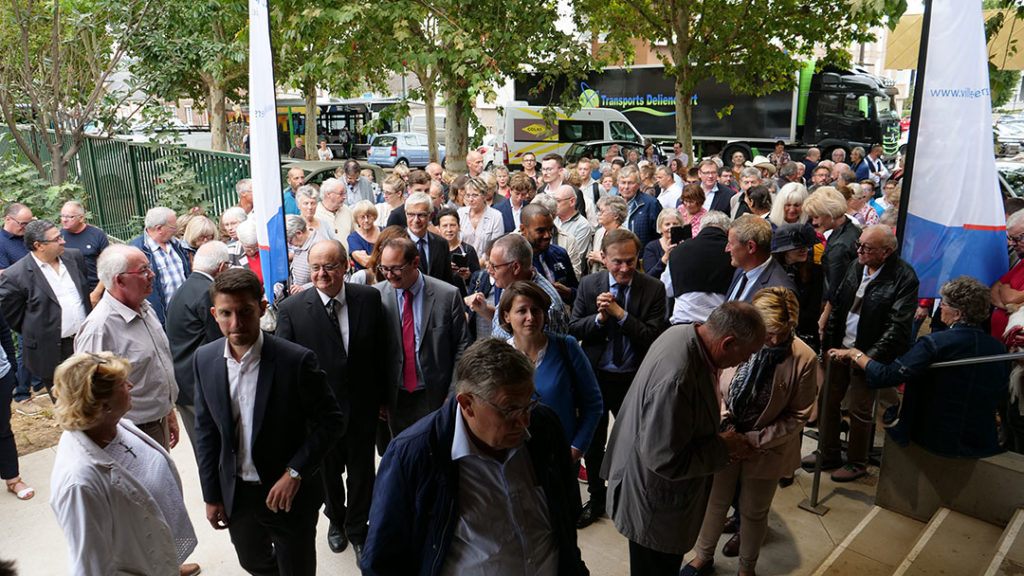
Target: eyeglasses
509,413
865,248
144,271
493,267
70,217
314,268
1015,239
417,215
708,173
393,269
58,239
472,196
18,222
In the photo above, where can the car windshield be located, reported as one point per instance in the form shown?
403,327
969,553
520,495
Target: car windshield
884,106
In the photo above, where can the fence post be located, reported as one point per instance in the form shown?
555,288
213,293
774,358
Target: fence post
97,197
135,183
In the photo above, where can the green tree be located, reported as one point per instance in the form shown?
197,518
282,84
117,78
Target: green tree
1002,83
197,49
754,46
56,61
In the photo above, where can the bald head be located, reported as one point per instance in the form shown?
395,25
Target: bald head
474,163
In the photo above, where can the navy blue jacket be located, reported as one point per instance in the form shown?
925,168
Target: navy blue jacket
506,215
156,298
949,411
643,220
414,511
557,260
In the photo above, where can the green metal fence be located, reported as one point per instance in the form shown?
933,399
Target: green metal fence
120,178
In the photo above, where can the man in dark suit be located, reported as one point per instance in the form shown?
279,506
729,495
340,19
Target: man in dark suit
348,339
617,315
715,197
190,325
549,259
265,418
642,209
426,334
419,181
434,257
45,298
750,249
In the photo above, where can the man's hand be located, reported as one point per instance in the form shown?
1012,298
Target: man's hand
738,445
282,494
216,515
607,306
576,454
295,289
475,301
174,432
920,314
595,256
564,292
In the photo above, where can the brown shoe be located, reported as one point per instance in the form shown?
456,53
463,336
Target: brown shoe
732,547
808,462
190,569
849,473
732,525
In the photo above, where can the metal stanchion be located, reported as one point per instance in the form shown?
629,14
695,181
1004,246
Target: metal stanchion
812,504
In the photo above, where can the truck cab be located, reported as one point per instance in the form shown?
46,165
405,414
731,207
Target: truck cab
846,109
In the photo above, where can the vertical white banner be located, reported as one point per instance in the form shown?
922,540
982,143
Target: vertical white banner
264,160
955,222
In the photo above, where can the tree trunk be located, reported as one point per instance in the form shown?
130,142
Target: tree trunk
684,120
458,108
309,94
429,97
58,167
216,102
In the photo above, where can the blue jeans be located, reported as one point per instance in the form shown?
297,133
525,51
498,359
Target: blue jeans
26,381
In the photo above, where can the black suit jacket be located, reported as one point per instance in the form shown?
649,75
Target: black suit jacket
439,263
722,197
353,376
773,275
644,323
33,311
189,326
296,420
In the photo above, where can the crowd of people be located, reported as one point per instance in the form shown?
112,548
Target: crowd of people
480,331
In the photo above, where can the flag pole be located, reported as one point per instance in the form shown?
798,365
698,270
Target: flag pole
915,122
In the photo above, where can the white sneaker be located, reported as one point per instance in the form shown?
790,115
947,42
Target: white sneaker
28,407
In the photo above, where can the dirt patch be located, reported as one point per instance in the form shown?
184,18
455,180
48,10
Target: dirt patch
33,433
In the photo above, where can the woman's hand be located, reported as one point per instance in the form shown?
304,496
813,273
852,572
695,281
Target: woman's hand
595,257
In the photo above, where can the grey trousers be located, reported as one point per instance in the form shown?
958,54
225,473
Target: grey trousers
756,496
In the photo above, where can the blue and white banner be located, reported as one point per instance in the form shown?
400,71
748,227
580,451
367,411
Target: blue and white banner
955,222
264,159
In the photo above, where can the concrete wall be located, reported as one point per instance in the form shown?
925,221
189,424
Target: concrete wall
915,483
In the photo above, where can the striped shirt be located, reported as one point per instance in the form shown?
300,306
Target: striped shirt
168,267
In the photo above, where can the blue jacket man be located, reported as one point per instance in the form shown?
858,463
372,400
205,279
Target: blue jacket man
537,225
162,232
421,521
643,209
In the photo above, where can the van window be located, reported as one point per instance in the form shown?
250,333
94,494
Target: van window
384,141
579,130
622,131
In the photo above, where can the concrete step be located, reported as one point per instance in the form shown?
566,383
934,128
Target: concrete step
875,547
1009,556
952,544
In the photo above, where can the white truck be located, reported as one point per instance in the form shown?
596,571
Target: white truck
522,130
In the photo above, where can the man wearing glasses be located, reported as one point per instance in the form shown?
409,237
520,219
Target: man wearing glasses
1010,288
84,237
426,334
484,485
167,258
12,236
872,310
716,197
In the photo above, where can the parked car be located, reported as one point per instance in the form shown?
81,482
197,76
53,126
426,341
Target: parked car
317,171
486,149
406,148
597,148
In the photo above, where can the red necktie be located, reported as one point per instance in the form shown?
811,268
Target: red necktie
408,344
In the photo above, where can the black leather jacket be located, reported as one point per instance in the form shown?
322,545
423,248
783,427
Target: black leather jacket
887,311
840,250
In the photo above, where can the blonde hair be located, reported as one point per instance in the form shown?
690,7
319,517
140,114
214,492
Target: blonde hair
778,307
199,227
82,384
825,201
364,207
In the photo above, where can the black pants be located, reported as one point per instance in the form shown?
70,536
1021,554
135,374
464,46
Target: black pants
614,386
409,408
643,560
353,453
273,544
8,449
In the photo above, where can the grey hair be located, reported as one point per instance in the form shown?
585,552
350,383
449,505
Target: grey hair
420,198
293,225
79,208
667,213
737,319
236,212
307,191
1016,220
210,256
243,186
489,365
616,205
247,233
517,249
716,219
749,172
158,216
859,151
330,185
664,170
886,234
969,296
113,261
35,231
788,169
547,201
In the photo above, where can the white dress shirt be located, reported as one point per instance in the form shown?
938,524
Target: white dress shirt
242,380
72,311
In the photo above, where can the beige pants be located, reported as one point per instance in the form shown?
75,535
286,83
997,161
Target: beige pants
756,496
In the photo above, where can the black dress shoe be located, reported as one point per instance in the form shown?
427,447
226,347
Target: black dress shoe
336,539
732,547
591,512
358,549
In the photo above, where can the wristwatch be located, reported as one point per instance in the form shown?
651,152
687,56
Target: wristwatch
293,473
857,356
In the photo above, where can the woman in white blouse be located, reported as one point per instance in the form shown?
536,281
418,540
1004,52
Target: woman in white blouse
116,493
480,224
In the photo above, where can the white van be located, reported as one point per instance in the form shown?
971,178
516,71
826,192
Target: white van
418,124
522,130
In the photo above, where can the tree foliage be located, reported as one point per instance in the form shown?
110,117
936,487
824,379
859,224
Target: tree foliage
56,60
1002,83
197,49
754,46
